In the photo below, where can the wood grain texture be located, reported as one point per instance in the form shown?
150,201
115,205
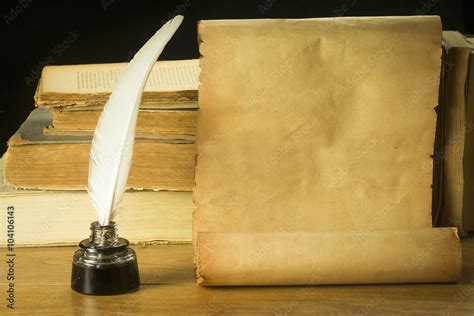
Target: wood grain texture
42,287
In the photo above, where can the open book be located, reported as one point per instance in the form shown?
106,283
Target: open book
172,84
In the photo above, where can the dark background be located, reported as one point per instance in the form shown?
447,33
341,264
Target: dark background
35,33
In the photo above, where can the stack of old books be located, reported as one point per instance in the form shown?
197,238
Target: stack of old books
46,166
453,203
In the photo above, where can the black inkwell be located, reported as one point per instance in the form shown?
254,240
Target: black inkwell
104,264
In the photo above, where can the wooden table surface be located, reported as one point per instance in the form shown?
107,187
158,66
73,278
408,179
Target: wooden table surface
42,279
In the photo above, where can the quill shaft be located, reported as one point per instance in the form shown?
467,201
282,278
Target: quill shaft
112,144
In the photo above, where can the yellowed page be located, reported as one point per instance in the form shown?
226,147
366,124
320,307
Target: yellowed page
344,257
316,125
172,84
173,75
324,127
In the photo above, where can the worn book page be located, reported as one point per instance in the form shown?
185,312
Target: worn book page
173,75
90,85
344,257
316,124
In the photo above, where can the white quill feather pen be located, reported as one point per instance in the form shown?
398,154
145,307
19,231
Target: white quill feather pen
114,136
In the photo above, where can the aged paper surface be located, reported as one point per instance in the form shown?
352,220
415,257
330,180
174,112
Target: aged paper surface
173,75
172,81
316,125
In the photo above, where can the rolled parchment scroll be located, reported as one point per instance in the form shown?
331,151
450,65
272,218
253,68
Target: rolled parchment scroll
314,164
345,257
